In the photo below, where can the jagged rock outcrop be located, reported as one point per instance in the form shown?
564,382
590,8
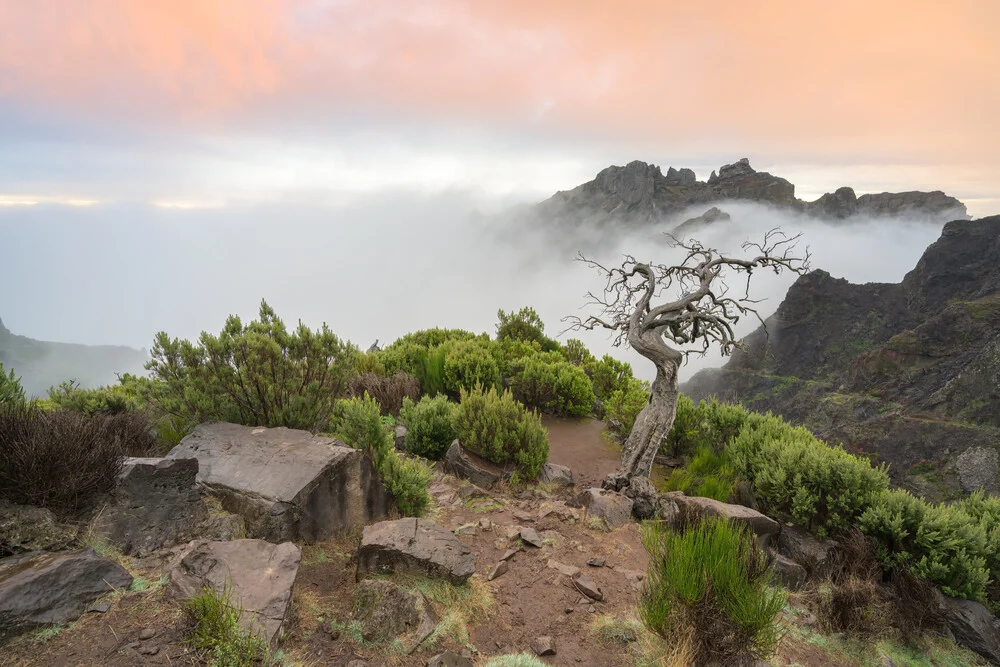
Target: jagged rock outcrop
640,193
691,225
285,483
906,371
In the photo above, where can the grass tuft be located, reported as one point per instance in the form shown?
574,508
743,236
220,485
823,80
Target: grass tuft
218,635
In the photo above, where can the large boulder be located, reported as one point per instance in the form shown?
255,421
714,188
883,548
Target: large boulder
460,465
787,572
285,483
614,508
677,508
414,545
258,575
974,627
387,612
643,494
155,504
979,469
25,528
554,473
816,555
54,589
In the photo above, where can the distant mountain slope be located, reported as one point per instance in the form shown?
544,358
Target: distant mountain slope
908,371
641,193
42,364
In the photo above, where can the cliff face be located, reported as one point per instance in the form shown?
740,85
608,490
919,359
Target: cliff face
908,372
641,193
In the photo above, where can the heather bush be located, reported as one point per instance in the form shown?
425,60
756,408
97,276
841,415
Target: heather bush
257,374
498,428
390,392
510,354
64,460
468,363
430,427
624,405
708,585
557,388
709,424
359,424
11,390
524,325
577,353
608,376
818,486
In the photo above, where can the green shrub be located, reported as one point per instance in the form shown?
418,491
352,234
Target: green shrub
468,363
359,424
11,390
577,353
709,583
624,405
941,543
708,474
709,424
390,392
524,325
430,427
216,632
428,338
65,460
820,487
511,354
258,374
501,430
608,376
557,388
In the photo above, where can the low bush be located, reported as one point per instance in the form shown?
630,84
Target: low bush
608,375
557,388
11,390
708,474
524,325
359,424
468,363
430,427
708,585
256,374
577,353
498,428
818,486
709,424
65,460
511,354
390,392
216,632
624,405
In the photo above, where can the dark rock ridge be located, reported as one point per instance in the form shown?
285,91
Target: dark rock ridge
641,193
906,371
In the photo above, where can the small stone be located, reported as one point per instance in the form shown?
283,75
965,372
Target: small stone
588,588
149,650
596,561
468,530
521,515
130,645
100,607
568,610
498,570
485,525
568,570
510,553
450,660
530,536
147,633
510,532
544,646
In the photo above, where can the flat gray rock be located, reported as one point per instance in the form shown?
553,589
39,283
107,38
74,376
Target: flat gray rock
614,508
530,536
692,508
414,545
54,589
285,483
974,627
260,576
498,570
554,473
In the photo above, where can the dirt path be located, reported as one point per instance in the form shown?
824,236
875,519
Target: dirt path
580,445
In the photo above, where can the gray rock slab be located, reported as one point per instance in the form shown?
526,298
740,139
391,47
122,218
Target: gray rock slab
556,474
287,484
460,465
414,545
614,508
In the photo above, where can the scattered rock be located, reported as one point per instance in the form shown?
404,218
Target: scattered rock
486,525
54,589
147,633
974,627
643,495
469,529
521,515
530,536
101,607
614,508
469,491
149,650
568,570
498,570
155,504
414,545
510,553
560,509
460,465
814,554
568,610
24,529
588,588
691,508
285,483
449,660
387,612
258,574
788,573
596,561
554,473
634,577
544,646
400,437
510,532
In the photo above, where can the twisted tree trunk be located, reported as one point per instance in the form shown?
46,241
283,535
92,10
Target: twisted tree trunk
657,418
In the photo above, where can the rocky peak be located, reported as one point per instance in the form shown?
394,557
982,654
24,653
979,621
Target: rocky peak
739,169
632,183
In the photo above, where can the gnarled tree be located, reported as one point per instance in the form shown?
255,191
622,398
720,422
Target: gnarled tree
700,317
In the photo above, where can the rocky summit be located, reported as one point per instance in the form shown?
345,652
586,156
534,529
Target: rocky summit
904,371
641,193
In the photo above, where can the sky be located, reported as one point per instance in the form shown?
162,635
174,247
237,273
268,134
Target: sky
175,160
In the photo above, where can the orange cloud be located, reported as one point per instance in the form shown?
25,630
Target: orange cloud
910,79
